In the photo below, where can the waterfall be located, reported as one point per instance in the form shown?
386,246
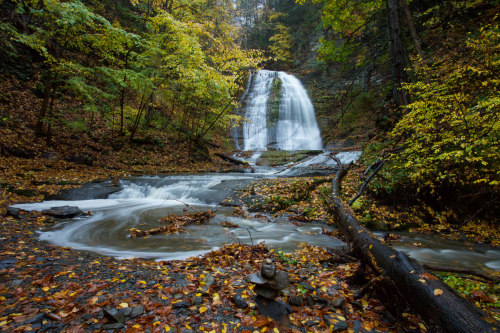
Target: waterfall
285,121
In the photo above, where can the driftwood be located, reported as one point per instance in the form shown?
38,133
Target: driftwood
175,224
438,305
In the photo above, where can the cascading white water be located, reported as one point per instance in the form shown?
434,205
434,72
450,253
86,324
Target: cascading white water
296,126
255,129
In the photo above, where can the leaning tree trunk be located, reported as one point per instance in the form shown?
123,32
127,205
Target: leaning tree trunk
438,305
397,52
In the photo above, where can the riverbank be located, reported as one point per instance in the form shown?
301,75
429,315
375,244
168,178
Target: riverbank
52,289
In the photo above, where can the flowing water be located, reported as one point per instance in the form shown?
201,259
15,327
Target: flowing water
295,127
145,200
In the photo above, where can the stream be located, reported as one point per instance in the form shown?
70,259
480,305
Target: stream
145,200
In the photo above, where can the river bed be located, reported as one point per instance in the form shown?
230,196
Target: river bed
145,200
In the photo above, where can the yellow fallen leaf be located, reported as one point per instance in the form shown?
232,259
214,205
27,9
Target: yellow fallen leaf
438,292
45,289
3,323
216,299
203,309
123,305
167,328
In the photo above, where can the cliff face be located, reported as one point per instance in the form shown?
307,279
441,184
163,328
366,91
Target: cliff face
347,101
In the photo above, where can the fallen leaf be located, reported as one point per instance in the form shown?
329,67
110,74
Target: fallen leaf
438,292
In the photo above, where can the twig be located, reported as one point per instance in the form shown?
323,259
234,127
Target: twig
477,212
251,240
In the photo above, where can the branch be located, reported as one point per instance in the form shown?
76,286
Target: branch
381,164
462,271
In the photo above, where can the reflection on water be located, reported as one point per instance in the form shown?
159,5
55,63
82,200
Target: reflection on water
145,200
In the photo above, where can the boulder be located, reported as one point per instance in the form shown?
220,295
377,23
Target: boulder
63,212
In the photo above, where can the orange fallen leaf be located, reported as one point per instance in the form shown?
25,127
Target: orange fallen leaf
438,292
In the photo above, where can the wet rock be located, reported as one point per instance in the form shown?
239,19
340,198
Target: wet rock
113,326
181,304
137,311
209,280
356,326
125,311
114,315
8,263
277,310
88,191
338,302
280,281
63,212
197,300
333,291
12,211
238,283
16,283
266,292
240,302
313,322
338,322
296,300
36,318
317,300
268,269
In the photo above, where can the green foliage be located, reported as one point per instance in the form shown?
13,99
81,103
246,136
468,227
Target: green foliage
350,21
281,40
450,134
181,70
286,258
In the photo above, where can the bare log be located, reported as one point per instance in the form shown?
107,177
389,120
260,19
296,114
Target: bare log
438,304
231,159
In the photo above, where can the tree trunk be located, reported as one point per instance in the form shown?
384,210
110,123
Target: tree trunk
397,53
45,104
122,106
439,305
413,31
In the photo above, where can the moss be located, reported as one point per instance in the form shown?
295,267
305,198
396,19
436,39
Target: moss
275,158
273,103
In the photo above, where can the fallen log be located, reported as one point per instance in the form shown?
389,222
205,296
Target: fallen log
462,271
231,159
438,304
